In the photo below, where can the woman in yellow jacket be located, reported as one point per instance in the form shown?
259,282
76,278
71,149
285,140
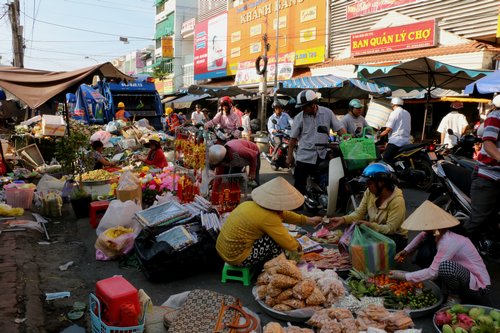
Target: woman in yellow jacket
383,206
254,232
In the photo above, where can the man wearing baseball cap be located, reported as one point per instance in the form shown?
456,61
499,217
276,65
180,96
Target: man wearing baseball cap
454,121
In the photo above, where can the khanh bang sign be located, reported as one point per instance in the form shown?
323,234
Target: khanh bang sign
404,37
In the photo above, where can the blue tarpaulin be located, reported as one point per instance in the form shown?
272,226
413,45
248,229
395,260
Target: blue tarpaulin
333,86
90,106
489,84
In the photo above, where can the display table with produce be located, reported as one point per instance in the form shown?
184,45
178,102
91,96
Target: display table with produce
464,318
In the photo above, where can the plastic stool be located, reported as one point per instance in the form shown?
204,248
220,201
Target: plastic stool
95,207
245,274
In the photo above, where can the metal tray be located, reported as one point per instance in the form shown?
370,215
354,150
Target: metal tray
285,316
467,306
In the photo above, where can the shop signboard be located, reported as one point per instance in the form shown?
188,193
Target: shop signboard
188,26
302,30
367,7
498,25
210,48
247,74
165,86
404,37
167,47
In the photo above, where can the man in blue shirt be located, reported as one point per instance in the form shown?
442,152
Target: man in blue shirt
281,126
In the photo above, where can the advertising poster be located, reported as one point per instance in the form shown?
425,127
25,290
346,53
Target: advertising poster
247,74
302,30
210,48
367,7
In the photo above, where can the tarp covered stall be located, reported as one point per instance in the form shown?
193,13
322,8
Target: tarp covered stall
35,87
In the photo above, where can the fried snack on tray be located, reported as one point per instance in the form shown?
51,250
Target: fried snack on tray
289,268
273,291
331,327
282,307
270,301
261,291
282,281
398,321
285,294
316,298
273,327
339,313
274,262
319,319
263,278
304,289
295,329
349,326
294,303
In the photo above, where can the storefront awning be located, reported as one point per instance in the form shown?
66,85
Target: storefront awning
165,27
333,86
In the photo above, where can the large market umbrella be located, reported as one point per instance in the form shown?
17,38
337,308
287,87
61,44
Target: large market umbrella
422,73
218,91
489,84
332,86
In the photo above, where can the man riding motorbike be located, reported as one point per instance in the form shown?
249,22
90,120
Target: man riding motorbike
282,122
398,128
353,121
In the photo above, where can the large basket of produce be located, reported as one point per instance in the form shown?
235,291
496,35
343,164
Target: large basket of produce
462,318
97,177
419,299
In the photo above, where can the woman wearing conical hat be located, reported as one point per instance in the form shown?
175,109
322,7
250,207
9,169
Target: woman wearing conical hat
254,232
457,263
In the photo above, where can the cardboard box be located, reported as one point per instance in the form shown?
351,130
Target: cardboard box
53,125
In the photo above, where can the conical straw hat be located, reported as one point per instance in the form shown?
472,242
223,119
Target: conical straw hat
277,194
429,217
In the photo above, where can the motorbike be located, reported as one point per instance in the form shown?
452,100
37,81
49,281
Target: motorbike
282,153
452,194
465,144
332,188
413,164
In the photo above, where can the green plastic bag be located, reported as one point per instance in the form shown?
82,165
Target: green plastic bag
371,251
358,152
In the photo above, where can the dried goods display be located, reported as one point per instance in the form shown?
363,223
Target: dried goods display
467,319
397,294
327,236
193,154
329,259
97,175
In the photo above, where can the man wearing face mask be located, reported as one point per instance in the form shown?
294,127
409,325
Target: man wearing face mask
353,121
305,134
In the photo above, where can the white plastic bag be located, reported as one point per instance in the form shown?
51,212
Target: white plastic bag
48,183
120,214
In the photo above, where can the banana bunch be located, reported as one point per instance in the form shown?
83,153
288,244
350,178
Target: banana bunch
96,175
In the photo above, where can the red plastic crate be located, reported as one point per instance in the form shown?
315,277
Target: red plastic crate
112,294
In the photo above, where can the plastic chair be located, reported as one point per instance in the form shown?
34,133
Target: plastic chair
244,274
96,207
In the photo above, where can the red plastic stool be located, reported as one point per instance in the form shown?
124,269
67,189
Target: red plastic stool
95,208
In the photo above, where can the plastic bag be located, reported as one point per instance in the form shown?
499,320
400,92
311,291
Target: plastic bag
345,240
114,242
120,214
102,136
358,152
51,204
371,251
67,189
129,188
48,183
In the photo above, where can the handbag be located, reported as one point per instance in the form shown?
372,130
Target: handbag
211,312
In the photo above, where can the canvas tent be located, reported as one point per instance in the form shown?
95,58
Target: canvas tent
35,87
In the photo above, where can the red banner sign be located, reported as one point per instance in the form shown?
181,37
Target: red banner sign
361,8
404,37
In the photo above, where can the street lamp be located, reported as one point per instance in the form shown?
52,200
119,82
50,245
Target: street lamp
87,57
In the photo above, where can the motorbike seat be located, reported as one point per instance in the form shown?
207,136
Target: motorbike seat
410,147
465,162
459,176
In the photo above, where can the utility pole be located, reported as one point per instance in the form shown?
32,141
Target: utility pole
277,51
263,101
17,34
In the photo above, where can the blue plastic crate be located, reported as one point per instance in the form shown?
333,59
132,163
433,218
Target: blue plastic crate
98,326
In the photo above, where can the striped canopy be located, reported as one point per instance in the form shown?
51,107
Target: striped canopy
332,86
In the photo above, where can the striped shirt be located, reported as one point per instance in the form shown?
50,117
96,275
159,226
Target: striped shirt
452,247
491,133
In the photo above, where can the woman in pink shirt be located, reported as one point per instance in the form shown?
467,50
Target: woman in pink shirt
225,118
457,263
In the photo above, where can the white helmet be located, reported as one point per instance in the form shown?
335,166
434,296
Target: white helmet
397,101
496,101
306,97
216,154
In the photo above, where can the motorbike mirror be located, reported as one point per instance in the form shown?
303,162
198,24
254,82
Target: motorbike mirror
323,129
274,121
450,131
240,128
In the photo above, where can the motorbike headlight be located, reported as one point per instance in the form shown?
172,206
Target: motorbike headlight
283,145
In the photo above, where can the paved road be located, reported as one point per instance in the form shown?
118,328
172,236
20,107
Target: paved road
73,240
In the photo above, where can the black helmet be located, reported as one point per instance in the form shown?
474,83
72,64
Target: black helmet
277,104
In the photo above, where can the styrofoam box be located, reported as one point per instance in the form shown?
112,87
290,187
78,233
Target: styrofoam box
53,125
